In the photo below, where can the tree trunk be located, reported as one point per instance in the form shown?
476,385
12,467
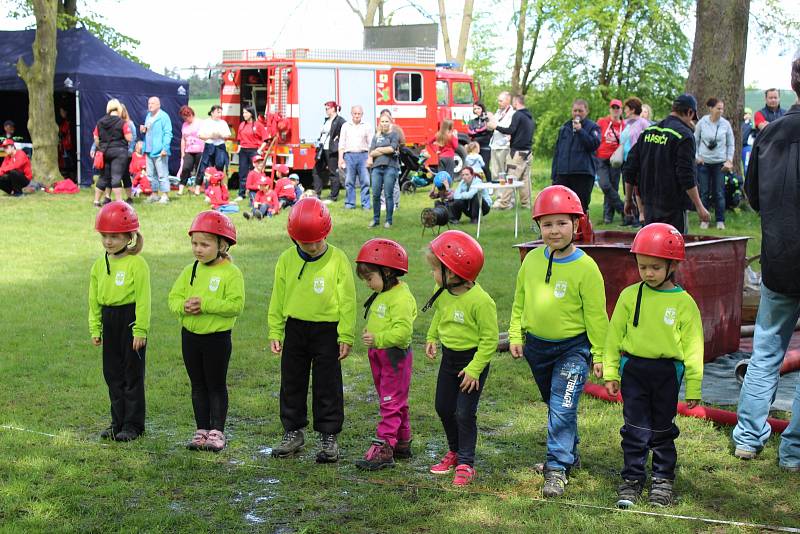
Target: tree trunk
68,7
38,77
518,53
448,51
718,56
463,36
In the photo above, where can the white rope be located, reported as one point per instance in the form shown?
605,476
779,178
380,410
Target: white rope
439,489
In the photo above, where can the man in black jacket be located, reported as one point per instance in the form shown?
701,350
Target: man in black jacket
328,152
662,166
518,162
773,188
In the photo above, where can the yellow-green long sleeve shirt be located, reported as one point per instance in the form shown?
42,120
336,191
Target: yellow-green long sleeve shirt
466,321
322,290
669,327
391,317
220,288
128,282
572,303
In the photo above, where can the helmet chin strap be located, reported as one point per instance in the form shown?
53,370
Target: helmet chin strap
120,251
371,299
667,277
553,253
445,286
196,262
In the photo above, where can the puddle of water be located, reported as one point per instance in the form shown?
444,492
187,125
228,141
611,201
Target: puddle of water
266,451
236,462
176,507
265,498
250,517
284,529
268,481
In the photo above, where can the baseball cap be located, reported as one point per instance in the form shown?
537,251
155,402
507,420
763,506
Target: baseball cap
615,102
687,100
257,158
8,142
263,181
294,177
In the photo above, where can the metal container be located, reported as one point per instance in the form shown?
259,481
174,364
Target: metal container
713,273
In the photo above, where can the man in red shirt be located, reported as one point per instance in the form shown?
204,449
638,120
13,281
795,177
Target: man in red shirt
611,128
15,172
771,111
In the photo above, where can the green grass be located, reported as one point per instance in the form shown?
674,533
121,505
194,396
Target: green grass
202,105
60,477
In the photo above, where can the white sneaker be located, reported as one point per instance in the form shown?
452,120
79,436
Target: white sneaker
327,201
164,200
720,225
704,226
238,199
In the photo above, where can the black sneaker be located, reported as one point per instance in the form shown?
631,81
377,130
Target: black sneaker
126,435
555,480
108,433
328,449
246,215
661,493
291,444
628,493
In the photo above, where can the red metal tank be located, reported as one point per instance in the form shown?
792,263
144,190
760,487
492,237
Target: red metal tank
713,274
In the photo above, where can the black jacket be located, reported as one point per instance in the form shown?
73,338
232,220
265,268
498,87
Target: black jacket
574,149
478,132
773,188
662,165
521,130
110,133
336,130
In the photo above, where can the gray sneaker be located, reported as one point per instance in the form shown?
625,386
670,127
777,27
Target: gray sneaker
628,493
555,480
291,444
745,454
328,449
661,493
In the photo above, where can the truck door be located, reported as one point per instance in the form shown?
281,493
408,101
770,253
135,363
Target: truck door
315,86
357,87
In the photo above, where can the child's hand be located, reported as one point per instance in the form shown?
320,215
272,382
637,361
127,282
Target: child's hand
344,350
430,350
275,346
96,341
692,404
192,306
612,387
598,370
516,351
468,384
139,343
368,338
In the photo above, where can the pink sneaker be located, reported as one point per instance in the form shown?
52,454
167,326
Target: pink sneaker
464,475
449,461
216,441
199,440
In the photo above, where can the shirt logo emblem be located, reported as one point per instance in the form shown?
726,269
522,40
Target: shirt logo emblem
120,279
380,311
458,316
560,290
213,284
319,285
670,314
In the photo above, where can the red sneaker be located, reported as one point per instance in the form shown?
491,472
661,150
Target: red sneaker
449,461
464,475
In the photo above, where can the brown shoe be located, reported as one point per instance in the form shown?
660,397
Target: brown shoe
378,456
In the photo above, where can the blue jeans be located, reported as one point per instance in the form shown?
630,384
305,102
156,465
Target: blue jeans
383,179
356,169
711,183
158,172
777,315
560,369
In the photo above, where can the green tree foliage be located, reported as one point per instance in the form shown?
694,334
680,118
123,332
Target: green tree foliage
482,61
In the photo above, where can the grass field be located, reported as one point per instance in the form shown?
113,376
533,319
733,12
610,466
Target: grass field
56,475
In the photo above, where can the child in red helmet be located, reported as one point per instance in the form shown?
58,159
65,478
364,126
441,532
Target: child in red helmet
216,190
558,320
138,171
289,190
390,312
119,317
254,177
465,322
207,297
311,325
655,339
265,202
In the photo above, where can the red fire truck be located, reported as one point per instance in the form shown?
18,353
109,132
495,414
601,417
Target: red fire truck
290,88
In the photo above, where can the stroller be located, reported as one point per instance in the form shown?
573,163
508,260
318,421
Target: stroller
414,173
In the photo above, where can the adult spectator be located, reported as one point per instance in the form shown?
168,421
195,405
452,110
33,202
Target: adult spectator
611,127
661,165
468,199
771,111
111,137
772,174
327,166
647,114
713,137
354,143
214,132
573,161
444,144
191,147
157,130
748,133
126,176
635,124
9,129
251,136
385,163
401,135
66,146
15,171
499,143
518,160
479,132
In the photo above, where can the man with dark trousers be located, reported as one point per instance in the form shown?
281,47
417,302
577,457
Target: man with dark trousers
573,161
662,166
771,111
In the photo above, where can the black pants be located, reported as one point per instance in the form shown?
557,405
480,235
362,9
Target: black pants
127,182
582,184
469,207
457,409
213,156
123,369
206,358
115,166
311,349
245,166
327,167
677,218
650,395
12,182
191,161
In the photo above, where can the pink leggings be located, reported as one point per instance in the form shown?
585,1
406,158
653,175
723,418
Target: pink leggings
392,387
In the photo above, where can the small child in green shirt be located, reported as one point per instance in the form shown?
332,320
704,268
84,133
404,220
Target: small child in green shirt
207,297
465,322
312,318
119,317
655,339
390,312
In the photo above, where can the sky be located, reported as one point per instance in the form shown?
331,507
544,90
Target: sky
173,36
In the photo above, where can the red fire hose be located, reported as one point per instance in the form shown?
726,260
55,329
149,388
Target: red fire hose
701,412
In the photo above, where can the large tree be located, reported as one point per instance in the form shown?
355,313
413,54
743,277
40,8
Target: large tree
463,36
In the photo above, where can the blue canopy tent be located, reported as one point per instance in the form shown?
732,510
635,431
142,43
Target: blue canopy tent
91,73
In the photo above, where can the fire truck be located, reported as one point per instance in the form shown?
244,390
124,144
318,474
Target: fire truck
288,91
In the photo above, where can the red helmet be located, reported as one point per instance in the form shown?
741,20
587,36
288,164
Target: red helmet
116,218
309,221
215,223
384,252
557,199
282,168
459,252
660,240
264,181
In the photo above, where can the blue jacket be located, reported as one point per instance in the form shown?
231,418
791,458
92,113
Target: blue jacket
464,192
574,149
159,133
